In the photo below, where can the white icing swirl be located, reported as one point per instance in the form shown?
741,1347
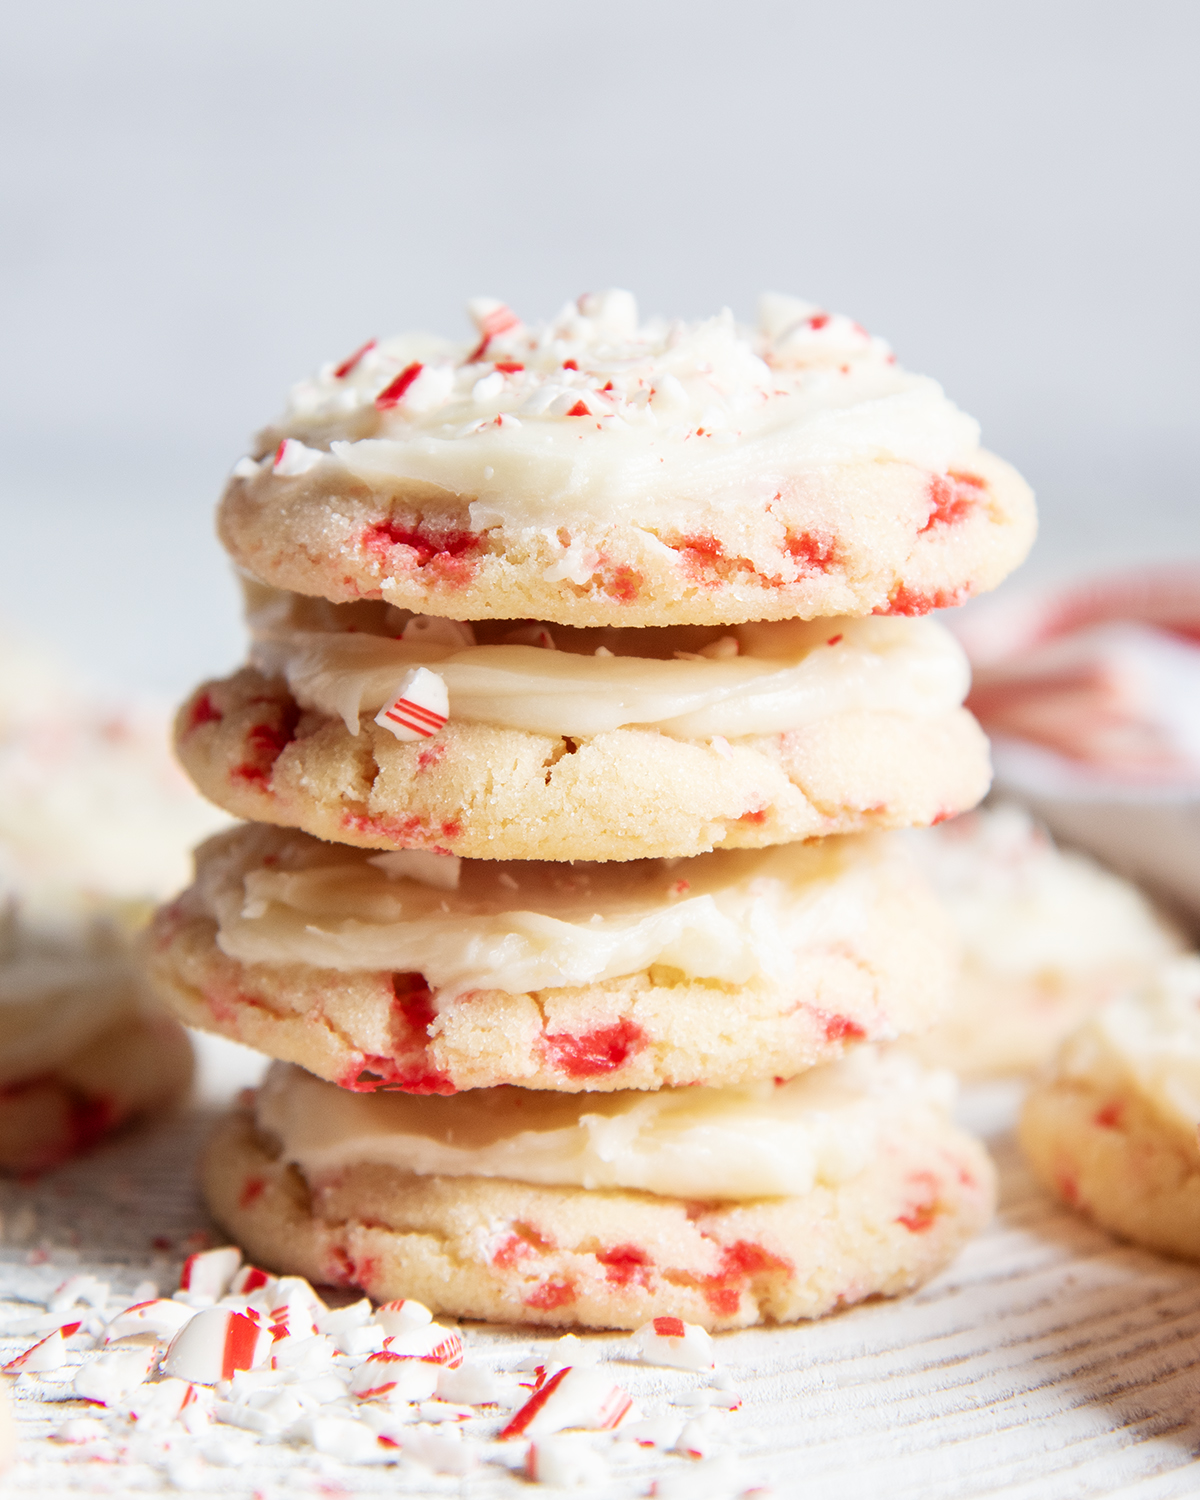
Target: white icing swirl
763,1140
732,916
613,421
774,677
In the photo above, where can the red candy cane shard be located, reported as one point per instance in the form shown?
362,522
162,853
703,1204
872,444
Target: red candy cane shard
420,708
574,1396
210,1271
393,394
348,364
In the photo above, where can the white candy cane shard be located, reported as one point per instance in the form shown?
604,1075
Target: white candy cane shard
443,1452
404,1314
574,1397
163,1318
214,1344
420,707
441,1346
78,1289
353,1442
111,1376
210,1271
671,1341
248,1279
474,1384
695,1440
564,1461
292,458
386,1373
80,1430
49,1353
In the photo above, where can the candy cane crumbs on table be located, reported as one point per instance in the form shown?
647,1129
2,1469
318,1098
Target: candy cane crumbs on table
670,1341
403,1314
209,1272
420,707
106,1379
438,1345
163,1318
575,1396
215,1343
49,1353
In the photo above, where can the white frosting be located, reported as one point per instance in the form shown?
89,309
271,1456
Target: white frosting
764,1140
675,412
1024,908
751,679
732,916
1149,1041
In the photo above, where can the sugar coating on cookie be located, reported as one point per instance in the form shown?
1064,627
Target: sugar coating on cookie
600,470
1047,936
521,1207
1113,1127
432,974
565,743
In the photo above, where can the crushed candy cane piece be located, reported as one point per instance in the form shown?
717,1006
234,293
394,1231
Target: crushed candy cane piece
695,1440
86,1289
441,1346
434,630
246,468
443,1452
564,1461
441,872
171,1400
470,1383
215,1343
672,1342
573,1397
293,458
420,707
351,1441
248,1279
162,1318
312,1355
652,1432
385,1373
401,1315
110,1376
341,371
47,1354
80,1430
209,1272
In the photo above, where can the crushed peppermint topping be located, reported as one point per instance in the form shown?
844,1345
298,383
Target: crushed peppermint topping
595,358
193,1390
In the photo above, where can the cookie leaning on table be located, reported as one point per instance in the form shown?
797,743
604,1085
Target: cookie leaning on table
564,743
1113,1127
724,1207
422,972
600,471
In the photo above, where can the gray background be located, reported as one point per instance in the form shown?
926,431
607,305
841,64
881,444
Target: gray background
205,200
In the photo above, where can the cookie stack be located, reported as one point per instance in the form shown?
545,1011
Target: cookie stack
586,669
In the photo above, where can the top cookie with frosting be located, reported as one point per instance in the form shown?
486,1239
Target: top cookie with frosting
602,471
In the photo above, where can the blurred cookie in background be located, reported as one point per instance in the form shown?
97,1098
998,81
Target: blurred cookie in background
95,825
1047,936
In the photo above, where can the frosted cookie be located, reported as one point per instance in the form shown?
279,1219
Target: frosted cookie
82,1048
1112,1128
600,471
94,807
724,1207
561,743
422,972
1047,936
